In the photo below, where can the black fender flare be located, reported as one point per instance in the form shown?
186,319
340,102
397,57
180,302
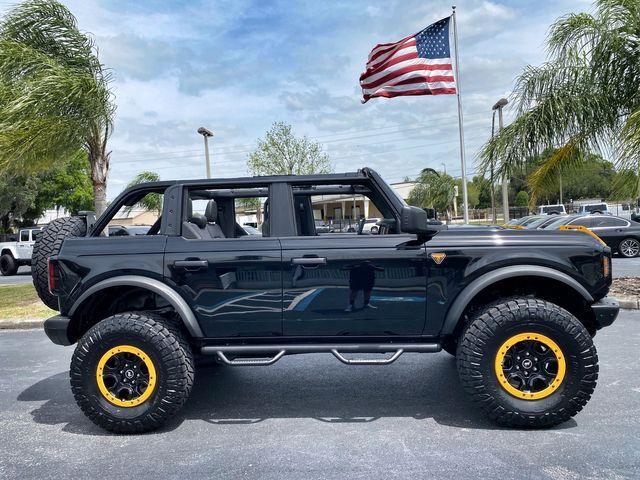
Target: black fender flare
156,286
470,291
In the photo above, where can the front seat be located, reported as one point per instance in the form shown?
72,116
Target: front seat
194,227
211,214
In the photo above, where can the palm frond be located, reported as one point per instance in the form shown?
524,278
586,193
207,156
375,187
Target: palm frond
580,100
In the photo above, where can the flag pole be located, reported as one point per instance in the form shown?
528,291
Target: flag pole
463,163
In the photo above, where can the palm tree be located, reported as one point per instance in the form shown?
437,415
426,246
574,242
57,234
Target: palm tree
152,202
433,190
54,94
584,99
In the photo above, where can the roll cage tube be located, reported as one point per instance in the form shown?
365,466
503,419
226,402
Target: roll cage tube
172,208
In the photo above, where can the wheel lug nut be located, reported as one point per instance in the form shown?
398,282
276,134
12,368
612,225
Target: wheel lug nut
527,354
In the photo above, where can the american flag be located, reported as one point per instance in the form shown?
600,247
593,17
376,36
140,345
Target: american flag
416,65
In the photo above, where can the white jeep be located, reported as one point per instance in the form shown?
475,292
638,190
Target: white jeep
17,253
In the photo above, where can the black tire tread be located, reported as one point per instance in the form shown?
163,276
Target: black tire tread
13,265
495,316
49,243
176,356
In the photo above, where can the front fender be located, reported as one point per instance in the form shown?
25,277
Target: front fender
470,291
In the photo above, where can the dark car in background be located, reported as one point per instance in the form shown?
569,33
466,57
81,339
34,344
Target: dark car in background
622,235
122,231
541,222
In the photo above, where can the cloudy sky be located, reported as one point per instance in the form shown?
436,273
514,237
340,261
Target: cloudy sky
237,66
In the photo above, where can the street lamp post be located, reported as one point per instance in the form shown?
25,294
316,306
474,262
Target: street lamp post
206,133
505,188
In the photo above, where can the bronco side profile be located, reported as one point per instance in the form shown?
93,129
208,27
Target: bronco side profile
518,308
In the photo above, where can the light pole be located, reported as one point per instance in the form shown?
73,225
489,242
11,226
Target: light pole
505,189
493,183
206,133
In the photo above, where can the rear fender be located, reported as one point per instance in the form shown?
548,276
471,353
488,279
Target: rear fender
153,285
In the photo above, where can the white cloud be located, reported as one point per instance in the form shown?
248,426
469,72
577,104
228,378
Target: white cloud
236,66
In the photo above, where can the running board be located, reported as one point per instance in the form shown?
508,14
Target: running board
276,352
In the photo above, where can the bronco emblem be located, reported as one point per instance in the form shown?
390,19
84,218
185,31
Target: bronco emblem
438,257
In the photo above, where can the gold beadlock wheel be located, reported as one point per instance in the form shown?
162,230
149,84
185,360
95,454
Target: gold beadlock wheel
126,376
530,366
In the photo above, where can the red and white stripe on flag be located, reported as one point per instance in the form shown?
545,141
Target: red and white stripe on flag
400,68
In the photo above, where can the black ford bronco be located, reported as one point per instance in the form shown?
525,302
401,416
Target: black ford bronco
517,308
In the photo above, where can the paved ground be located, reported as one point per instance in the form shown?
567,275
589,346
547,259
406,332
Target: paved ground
626,267
312,417
23,276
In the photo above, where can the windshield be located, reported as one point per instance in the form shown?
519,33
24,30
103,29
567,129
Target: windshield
559,222
594,208
551,208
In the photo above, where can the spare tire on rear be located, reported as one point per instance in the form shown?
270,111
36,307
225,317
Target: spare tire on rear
47,245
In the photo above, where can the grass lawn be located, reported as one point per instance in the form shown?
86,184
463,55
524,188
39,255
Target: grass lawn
21,302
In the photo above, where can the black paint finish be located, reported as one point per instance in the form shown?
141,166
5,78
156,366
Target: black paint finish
328,286
238,292
369,285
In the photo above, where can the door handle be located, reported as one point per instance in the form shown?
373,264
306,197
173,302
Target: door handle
309,261
191,264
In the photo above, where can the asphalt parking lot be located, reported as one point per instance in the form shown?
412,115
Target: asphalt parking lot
626,267
312,417
23,276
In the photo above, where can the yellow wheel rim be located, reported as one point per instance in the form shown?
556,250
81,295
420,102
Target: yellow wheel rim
530,366
126,376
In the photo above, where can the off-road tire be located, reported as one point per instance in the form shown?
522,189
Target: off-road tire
48,244
8,265
496,323
167,349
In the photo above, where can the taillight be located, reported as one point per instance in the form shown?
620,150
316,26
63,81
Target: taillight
52,276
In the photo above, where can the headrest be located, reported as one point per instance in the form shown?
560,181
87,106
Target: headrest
199,220
211,212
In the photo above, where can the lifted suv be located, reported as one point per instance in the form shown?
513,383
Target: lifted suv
517,308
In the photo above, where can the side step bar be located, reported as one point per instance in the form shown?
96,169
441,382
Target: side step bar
276,352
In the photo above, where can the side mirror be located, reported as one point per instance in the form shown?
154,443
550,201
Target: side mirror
415,220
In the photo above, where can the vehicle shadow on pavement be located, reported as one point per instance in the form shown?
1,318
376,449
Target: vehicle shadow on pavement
318,387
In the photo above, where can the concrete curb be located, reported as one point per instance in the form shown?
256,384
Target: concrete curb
21,324
629,303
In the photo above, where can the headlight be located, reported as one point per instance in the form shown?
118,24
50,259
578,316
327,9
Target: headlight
606,266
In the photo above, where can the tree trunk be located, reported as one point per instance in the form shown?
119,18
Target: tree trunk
99,196
99,161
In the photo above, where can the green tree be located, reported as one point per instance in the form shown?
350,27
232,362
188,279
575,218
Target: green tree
433,190
584,99
24,198
483,187
281,153
522,199
66,186
17,196
151,202
473,193
54,94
